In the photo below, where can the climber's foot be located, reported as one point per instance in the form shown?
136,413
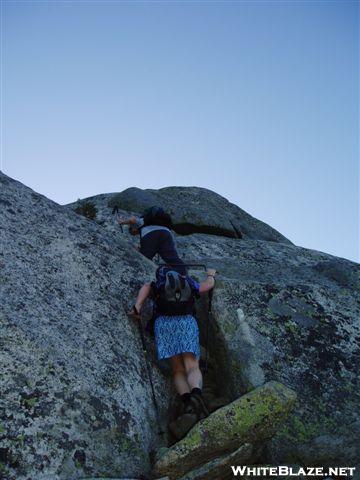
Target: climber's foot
199,405
189,408
180,427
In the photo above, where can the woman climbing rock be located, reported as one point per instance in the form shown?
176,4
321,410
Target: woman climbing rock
154,228
176,330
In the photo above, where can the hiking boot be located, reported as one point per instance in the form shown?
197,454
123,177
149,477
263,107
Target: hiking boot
180,427
190,408
198,403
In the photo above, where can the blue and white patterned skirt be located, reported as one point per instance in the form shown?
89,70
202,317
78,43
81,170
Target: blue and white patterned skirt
175,335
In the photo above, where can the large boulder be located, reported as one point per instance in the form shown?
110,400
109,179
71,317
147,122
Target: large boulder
193,209
250,419
220,467
75,396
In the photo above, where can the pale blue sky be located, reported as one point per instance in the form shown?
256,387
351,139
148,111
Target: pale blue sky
257,100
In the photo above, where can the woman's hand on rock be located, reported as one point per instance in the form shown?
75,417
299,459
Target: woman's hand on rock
211,272
127,220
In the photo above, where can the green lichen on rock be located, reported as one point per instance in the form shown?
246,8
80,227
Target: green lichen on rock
301,430
291,326
253,417
192,440
30,402
3,470
229,327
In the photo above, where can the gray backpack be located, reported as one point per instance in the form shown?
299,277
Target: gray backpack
175,295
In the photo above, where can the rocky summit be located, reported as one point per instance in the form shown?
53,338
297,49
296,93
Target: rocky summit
76,401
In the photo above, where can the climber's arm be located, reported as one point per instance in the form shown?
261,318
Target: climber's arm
209,283
132,220
143,294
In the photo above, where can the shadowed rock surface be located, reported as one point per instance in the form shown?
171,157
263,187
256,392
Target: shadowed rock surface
220,467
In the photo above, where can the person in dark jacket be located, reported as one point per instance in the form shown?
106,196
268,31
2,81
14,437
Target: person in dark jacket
156,237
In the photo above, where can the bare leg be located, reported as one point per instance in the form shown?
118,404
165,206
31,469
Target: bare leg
144,292
194,379
179,375
193,372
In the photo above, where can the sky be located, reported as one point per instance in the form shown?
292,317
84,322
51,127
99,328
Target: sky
256,100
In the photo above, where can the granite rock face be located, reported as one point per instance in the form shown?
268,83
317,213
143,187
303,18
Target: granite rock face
194,210
75,400
280,312
289,314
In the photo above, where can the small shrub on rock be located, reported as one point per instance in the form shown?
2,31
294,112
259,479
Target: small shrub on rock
87,209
